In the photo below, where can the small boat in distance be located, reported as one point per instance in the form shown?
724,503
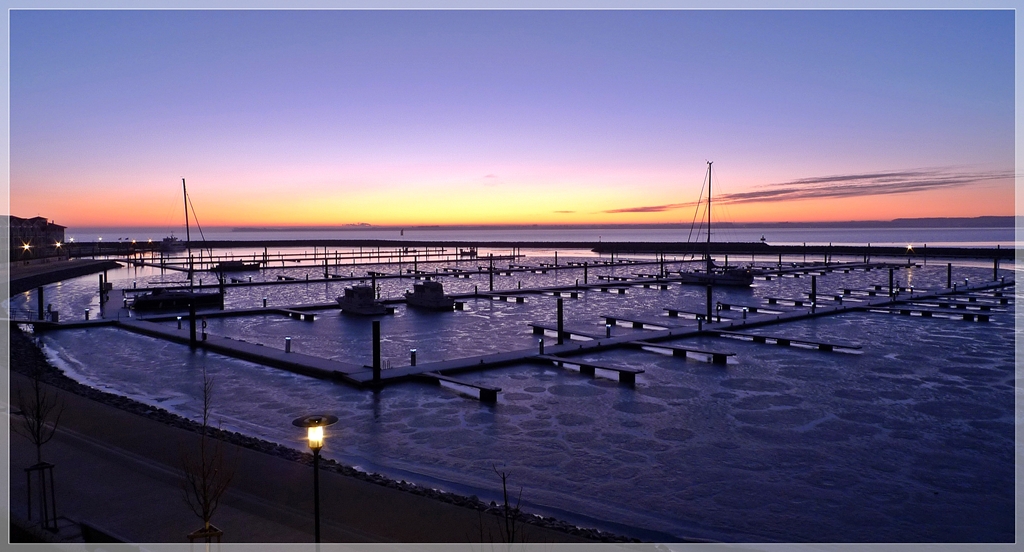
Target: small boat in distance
713,275
171,243
361,299
429,295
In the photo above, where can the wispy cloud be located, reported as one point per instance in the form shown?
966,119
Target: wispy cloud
564,212
866,184
491,180
840,186
650,208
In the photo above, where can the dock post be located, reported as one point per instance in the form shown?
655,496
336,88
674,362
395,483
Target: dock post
490,270
949,275
780,261
556,258
101,289
540,342
192,324
607,330
814,289
708,294
559,320
890,283
995,269
376,351
412,357
585,272
39,296
288,344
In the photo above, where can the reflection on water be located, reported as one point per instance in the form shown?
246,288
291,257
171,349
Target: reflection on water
910,439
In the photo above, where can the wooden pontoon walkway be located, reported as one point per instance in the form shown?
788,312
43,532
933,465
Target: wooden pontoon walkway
443,370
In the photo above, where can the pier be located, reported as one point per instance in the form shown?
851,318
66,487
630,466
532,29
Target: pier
975,302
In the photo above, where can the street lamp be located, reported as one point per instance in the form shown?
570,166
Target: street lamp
315,425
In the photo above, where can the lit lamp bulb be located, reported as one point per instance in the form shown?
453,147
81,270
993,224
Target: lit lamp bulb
316,437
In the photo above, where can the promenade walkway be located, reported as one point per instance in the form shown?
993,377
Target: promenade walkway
119,472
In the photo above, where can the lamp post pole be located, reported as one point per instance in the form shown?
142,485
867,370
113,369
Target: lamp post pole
315,425
316,494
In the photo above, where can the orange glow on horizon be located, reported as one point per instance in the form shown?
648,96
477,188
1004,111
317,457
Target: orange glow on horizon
466,203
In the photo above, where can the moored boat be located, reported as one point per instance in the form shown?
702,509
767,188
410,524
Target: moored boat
174,299
712,275
429,295
177,300
234,266
361,299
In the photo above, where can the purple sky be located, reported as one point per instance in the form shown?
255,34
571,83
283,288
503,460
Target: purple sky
448,117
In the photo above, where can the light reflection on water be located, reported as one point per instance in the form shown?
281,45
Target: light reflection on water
909,440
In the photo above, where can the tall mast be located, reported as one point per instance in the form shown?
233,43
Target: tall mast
188,238
708,252
185,196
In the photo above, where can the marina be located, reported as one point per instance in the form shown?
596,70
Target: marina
549,318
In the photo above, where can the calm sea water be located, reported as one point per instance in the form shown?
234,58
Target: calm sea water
813,235
909,439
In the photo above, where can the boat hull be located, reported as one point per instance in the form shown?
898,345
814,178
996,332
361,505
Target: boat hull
171,300
235,266
733,279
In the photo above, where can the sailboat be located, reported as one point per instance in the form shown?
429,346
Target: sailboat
712,275
175,299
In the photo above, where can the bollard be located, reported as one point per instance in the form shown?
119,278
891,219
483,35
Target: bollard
540,341
87,314
607,330
376,351
412,357
475,291
700,323
520,285
709,303
179,322
135,285
744,313
287,344
559,320
264,302
191,324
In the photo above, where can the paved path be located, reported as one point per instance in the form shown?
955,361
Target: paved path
119,472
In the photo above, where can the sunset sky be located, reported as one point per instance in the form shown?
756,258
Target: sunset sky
509,117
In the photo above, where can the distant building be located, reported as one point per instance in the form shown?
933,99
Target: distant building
34,237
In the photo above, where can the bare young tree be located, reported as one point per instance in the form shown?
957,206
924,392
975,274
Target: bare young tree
207,474
510,523
40,413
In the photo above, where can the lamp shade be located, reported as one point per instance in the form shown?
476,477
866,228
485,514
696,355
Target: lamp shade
315,425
